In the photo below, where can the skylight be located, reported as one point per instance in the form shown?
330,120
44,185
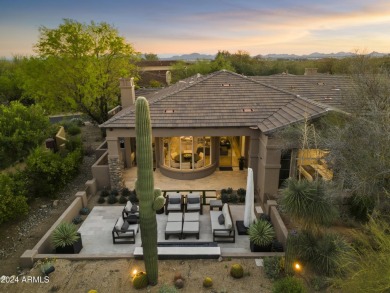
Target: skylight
247,110
226,84
169,111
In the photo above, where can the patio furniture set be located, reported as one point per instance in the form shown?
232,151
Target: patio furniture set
183,219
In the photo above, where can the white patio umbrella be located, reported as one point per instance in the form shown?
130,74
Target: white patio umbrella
249,215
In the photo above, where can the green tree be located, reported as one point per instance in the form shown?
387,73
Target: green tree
21,129
10,85
150,57
78,68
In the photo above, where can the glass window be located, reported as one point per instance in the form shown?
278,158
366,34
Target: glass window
187,152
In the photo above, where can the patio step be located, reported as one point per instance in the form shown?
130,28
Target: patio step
182,252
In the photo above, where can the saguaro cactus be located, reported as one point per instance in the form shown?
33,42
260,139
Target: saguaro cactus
150,199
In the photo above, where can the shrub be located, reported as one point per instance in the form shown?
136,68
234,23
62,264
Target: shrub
112,199
126,192
133,197
241,193
77,220
101,200
114,192
122,199
229,190
65,234
167,289
319,283
322,253
233,198
179,283
360,207
225,197
12,206
207,282
237,271
140,280
84,211
22,129
105,192
73,143
289,285
73,129
47,172
274,267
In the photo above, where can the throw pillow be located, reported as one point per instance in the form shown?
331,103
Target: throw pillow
221,219
125,226
175,200
192,200
134,208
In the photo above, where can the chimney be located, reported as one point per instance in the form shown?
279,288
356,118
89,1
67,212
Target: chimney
127,92
311,71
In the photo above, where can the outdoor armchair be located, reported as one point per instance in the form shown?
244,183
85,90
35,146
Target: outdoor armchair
194,202
174,202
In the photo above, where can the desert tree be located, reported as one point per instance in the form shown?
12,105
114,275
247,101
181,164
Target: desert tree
78,68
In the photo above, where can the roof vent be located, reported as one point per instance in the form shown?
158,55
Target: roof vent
328,98
226,84
321,83
169,111
335,89
247,110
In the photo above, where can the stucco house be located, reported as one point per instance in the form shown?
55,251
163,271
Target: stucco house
207,122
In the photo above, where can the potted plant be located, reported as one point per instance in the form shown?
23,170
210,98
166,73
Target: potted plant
241,163
261,234
66,239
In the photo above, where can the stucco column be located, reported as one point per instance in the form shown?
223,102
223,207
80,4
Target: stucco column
253,160
127,158
269,166
115,165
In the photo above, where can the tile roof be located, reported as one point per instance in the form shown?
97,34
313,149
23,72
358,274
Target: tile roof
218,100
327,89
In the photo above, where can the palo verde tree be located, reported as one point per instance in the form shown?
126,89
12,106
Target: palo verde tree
150,199
78,68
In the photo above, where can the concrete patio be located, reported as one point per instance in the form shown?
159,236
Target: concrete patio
216,181
97,237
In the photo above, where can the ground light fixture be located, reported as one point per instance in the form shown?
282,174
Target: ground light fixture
297,266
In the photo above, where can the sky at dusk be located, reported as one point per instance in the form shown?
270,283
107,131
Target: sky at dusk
179,27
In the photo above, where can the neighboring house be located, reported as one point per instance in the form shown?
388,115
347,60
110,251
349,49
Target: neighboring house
207,122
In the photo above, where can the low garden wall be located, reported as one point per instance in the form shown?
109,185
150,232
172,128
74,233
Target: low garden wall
44,245
277,221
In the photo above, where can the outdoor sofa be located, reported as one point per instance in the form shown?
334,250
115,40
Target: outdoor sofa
223,231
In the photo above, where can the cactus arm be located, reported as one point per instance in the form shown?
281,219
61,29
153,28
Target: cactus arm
145,189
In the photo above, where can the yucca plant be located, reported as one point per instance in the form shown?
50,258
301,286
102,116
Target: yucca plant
65,235
307,203
261,233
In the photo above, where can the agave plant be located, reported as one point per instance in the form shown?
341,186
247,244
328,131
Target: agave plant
261,233
64,235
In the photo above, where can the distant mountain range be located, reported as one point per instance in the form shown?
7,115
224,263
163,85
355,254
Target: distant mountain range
316,55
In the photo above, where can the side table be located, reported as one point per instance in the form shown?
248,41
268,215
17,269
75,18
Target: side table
216,203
